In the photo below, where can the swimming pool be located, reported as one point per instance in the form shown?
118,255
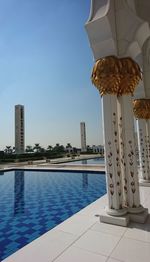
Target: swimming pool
93,161
33,202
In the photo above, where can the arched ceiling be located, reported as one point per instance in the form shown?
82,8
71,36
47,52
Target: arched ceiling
114,27
143,9
122,24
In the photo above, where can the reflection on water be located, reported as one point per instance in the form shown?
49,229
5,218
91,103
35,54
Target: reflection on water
92,161
84,181
97,159
19,193
1,173
84,162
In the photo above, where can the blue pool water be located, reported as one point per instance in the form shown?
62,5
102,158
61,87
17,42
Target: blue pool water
93,161
33,202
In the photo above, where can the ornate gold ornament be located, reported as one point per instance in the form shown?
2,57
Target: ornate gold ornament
116,76
141,108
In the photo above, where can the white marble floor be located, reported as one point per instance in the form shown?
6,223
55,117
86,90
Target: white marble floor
84,238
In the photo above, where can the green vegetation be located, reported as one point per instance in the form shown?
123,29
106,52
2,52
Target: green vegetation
37,152
32,153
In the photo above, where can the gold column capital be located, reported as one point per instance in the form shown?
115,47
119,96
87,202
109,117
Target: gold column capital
141,108
116,76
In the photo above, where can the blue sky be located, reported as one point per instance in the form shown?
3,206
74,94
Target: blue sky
45,64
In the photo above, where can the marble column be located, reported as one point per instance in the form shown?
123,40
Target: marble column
131,185
116,79
141,108
148,139
112,156
143,144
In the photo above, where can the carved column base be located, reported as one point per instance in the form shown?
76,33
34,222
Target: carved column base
136,210
139,218
117,213
125,219
119,221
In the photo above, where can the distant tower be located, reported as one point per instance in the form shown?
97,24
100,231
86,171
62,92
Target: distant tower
83,136
19,129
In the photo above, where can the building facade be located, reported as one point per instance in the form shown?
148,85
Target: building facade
83,137
19,129
98,149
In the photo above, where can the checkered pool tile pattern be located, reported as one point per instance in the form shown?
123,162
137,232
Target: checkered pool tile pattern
33,202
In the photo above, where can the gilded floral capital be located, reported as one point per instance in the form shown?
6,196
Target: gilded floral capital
116,76
141,108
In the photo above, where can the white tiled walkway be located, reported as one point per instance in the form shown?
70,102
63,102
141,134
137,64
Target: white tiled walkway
83,238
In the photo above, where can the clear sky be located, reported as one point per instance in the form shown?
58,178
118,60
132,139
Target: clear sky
45,64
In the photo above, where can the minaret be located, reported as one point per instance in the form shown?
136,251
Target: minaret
19,129
83,136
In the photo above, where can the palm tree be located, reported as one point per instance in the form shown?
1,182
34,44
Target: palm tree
8,150
68,145
29,149
58,148
89,149
69,148
37,148
49,148
13,149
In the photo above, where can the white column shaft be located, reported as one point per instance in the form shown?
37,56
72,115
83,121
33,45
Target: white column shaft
122,155
148,138
112,157
130,162
143,149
